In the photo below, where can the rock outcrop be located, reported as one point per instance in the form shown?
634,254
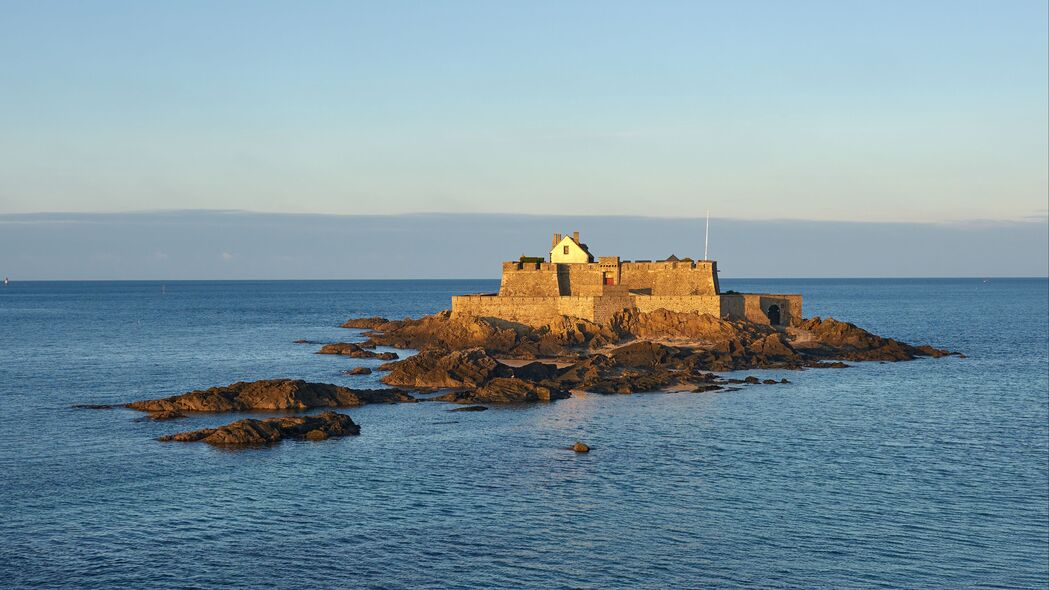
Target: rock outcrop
273,394
436,367
355,351
505,390
636,351
260,432
830,339
366,323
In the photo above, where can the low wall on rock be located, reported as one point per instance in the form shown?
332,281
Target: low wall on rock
532,311
709,304
537,311
756,307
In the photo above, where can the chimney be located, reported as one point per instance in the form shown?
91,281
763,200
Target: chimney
575,236
557,240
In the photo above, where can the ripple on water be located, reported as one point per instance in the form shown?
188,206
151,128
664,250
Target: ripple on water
926,474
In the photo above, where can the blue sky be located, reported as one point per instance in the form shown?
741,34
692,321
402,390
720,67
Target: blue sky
865,111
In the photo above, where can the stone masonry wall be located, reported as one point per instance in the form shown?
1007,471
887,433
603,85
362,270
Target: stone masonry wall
709,304
529,280
546,279
754,307
670,278
532,311
537,311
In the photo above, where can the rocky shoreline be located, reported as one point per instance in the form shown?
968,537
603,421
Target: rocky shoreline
478,362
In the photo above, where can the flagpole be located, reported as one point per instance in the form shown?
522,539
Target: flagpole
706,237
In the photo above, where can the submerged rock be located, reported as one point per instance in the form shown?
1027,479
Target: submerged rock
272,394
164,415
258,432
469,409
358,371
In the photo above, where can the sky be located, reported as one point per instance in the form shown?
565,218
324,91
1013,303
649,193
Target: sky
901,112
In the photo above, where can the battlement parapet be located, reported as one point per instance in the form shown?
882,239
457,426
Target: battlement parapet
573,284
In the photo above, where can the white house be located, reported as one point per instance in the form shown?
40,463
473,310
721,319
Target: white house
569,249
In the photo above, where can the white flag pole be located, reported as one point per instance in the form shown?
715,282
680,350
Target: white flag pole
706,237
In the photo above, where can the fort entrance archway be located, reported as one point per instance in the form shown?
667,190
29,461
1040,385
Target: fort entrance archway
773,313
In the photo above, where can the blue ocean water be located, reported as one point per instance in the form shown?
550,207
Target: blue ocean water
927,474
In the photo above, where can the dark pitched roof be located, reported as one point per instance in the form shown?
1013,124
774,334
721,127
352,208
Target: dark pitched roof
672,258
589,256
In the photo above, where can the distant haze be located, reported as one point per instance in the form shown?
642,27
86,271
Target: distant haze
244,245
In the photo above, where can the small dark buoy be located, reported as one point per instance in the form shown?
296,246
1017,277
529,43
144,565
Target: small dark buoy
581,447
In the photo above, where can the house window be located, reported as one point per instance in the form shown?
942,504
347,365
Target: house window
566,250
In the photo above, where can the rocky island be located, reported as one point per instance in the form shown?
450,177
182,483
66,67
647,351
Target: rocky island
571,325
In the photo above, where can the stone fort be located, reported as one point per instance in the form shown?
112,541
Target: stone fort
572,282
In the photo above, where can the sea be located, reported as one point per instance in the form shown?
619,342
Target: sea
925,474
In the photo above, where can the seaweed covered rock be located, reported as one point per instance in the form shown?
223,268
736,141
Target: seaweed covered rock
259,432
271,394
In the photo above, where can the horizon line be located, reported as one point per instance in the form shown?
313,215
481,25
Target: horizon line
1034,218
261,280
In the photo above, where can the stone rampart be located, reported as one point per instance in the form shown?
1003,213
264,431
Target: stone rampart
757,307
670,278
666,278
709,304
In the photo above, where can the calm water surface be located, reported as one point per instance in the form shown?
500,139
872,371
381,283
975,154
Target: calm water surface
929,474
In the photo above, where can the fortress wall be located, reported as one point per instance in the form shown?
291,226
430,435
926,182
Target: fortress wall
537,311
580,279
577,307
709,304
754,307
529,280
670,278
532,311
607,306
733,306
790,306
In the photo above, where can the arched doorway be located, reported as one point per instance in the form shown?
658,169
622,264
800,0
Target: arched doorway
773,313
